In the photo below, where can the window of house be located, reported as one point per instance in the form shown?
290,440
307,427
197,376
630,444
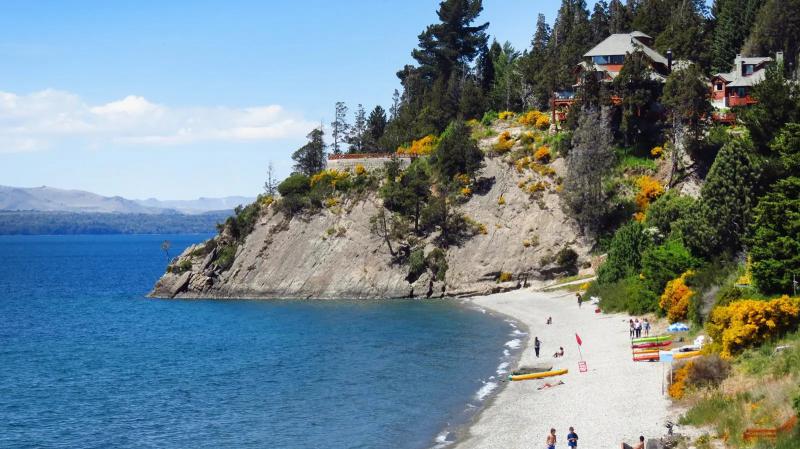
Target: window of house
747,69
741,92
719,86
609,59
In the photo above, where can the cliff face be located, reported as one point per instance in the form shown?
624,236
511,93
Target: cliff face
333,254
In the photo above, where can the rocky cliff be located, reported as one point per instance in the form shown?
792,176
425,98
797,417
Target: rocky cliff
333,253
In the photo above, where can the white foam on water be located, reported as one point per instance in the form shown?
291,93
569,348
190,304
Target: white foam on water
485,390
506,353
444,439
518,332
514,344
502,368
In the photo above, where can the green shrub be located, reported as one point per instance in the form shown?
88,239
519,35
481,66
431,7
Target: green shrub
489,117
416,264
668,209
707,371
626,295
296,184
225,256
624,253
661,264
437,263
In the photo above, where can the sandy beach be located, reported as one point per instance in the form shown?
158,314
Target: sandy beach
616,400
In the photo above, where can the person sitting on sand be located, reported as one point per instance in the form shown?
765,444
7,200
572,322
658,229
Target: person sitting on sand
549,385
560,352
551,439
639,445
549,320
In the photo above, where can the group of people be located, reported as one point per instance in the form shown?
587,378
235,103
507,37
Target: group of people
537,346
572,439
637,326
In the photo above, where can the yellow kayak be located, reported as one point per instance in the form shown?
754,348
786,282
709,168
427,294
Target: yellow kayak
685,355
646,350
539,375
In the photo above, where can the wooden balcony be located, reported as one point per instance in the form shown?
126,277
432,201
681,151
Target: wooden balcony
741,101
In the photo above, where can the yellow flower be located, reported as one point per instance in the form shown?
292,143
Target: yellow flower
542,154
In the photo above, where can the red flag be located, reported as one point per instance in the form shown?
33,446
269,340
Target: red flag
578,337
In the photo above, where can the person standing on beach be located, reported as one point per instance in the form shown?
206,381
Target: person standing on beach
646,328
536,345
551,439
633,329
572,438
580,300
637,328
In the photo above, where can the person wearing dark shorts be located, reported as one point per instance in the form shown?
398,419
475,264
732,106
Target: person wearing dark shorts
536,345
572,438
551,439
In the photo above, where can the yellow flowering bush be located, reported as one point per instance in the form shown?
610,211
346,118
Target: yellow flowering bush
462,179
501,200
472,123
331,202
543,122
420,147
466,191
677,388
649,190
537,187
329,177
505,276
482,229
542,154
360,169
657,152
750,322
504,142
521,163
676,296
528,137
535,118
505,115
542,170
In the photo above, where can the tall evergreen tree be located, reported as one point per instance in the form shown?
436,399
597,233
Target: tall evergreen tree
357,138
684,30
533,65
589,163
600,21
571,37
778,104
776,28
339,127
733,20
618,17
310,158
376,126
639,92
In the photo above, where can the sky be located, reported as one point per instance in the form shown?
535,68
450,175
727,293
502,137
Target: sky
180,99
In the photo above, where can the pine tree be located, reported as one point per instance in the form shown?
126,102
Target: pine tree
618,18
357,136
638,91
778,104
589,163
571,37
395,105
686,99
271,183
600,21
310,158
684,31
733,20
729,194
376,126
339,127
776,28
456,154
533,66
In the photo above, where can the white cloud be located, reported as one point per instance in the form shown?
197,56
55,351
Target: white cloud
47,118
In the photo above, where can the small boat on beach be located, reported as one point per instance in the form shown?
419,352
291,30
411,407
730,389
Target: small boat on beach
538,375
654,339
659,344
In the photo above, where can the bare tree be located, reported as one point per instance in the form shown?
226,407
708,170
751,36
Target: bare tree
165,246
271,184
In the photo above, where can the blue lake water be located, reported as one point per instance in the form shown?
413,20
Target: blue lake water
87,361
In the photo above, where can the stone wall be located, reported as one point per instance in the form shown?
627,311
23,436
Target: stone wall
369,161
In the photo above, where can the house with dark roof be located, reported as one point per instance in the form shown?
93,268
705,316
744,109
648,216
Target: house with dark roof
605,61
733,89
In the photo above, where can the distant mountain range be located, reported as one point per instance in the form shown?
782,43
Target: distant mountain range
51,199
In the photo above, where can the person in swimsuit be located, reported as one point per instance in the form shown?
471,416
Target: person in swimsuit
639,445
536,345
551,439
560,352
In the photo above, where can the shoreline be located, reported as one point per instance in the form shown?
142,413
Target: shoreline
616,400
